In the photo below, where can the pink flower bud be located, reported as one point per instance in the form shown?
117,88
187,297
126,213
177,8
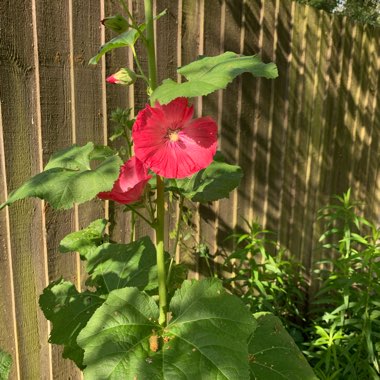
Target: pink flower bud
124,77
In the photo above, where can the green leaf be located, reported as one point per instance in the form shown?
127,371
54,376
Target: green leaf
69,311
208,74
205,339
273,355
210,184
115,266
209,327
116,339
127,38
5,365
86,240
68,178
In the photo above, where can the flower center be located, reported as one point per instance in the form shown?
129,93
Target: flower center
173,135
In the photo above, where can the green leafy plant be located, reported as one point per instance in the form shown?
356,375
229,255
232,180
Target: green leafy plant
266,278
346,342
5,365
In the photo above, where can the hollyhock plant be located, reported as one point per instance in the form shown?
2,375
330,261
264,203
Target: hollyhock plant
170,142
130,185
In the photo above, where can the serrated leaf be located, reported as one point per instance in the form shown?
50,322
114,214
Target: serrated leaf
116,339
69,311
115,266
210,184
127,38
68,178
209,328
5,365
273,355
84,241
208,74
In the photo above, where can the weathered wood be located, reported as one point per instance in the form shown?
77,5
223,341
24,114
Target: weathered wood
21,130
230,120
57,133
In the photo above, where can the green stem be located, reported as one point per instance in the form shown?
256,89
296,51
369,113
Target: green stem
143,76
134,24
181,200
150,44
160,225
139,214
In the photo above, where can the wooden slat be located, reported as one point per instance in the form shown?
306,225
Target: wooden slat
88,117
117,97
230,119
18,94
57,133
213,39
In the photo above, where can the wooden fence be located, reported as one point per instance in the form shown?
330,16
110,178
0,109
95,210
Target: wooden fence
311,133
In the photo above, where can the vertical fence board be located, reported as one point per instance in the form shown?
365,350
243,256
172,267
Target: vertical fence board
212,43
117,97
229,134
87,105
22,160
56,118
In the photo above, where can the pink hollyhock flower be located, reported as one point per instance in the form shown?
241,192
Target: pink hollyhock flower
130,185
170,142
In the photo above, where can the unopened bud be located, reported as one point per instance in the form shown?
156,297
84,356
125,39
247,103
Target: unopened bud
124,77
116,23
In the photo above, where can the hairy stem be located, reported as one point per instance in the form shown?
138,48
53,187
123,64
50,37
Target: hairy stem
160,225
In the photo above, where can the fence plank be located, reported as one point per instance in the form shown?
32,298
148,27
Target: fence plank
56,118
19,99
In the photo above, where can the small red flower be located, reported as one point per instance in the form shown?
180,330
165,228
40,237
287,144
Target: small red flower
130,185
170,142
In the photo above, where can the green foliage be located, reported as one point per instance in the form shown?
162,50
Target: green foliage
68,177
86,240
5,365
210,184
362,11
115,266
69,311
264,279
273,354
346,340
209,74
125,39
110,266
208,327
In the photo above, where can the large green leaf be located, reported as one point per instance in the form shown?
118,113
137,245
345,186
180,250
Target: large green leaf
5,365
68,178
69,311
116,339
127,38
115,266
210,328
86,240
205,339
208,74
210,184
273,355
